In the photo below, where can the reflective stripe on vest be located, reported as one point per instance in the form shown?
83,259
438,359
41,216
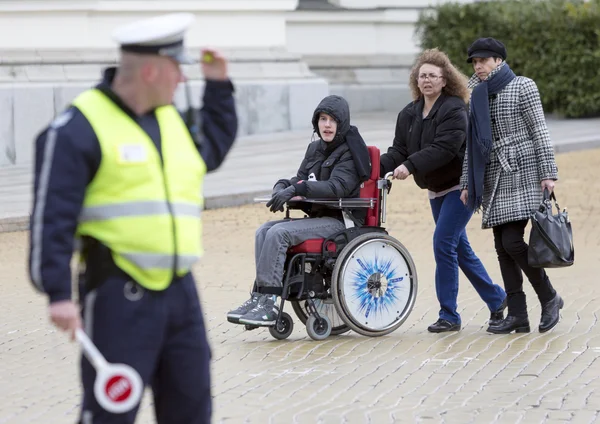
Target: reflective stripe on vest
118,210
143,204
150,261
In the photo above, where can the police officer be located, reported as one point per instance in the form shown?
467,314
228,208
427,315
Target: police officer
121,171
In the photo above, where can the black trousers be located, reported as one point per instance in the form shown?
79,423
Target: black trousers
159,333
512,256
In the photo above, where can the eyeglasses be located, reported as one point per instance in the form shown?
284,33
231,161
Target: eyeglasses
431,77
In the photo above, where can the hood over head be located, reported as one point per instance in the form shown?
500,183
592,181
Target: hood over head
338,108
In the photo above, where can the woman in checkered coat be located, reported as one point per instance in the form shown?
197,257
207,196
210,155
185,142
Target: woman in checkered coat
508,163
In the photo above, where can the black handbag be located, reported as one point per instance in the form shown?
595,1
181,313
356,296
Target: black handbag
551,237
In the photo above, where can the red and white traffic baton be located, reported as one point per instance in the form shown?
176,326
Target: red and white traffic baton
118,387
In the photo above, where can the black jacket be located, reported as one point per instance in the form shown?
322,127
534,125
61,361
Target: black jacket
336,169
432,149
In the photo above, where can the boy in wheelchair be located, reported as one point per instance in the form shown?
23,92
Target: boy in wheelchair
333,167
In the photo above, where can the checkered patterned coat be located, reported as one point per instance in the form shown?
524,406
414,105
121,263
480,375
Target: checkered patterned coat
522,154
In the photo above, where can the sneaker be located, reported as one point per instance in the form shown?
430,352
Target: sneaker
442,326
234,315
264,313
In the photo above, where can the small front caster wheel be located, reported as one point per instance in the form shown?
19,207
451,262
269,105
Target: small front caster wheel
284,329
318,328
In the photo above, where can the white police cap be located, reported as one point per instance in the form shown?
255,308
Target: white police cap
161,35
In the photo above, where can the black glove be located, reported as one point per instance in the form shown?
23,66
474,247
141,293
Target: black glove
278,200
278,187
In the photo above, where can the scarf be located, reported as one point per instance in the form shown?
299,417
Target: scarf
358,150
360,153
479,133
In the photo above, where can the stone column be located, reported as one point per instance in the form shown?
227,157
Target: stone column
52,50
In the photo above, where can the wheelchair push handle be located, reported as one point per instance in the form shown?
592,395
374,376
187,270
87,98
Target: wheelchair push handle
385,185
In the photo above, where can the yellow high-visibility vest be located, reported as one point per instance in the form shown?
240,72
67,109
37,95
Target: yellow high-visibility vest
146,210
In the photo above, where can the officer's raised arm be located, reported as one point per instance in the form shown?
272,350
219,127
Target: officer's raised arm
218,115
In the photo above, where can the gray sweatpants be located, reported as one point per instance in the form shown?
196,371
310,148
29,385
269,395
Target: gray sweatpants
274,238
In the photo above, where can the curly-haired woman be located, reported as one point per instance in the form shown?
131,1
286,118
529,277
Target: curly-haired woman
430,144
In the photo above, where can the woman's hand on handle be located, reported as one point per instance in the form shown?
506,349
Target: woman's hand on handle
401,173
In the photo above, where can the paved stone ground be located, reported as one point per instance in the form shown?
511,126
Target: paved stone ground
408,376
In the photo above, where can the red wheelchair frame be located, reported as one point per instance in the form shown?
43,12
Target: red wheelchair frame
312,269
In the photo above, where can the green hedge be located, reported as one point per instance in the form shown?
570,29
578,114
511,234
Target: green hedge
554,42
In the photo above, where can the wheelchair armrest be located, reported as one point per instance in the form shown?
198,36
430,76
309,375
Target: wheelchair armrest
264,199
357,202
368,203
354,203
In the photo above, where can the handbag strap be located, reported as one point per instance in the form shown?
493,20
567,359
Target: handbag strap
548,195
547,200
552,245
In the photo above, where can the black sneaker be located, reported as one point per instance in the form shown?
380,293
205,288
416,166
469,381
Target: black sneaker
442,326
234,315
264,313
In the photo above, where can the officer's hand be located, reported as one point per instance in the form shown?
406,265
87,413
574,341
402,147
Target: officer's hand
278,200
214,65
65,315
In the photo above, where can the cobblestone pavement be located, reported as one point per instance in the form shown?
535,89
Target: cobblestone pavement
408,376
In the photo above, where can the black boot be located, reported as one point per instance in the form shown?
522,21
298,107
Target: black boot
510,324
497,316
551,313
442,326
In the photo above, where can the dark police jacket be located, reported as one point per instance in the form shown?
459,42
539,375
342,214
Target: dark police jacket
67,156
432,149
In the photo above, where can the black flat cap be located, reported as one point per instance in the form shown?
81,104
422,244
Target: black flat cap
486,47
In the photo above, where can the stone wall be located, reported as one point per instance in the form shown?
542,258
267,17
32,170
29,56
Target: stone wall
365,54
52,50
274,92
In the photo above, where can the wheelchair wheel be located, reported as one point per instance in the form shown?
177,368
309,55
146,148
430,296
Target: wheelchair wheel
324,307
374,284
318,328
284,329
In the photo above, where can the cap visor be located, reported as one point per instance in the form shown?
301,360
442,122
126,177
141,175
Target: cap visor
479,54
184,58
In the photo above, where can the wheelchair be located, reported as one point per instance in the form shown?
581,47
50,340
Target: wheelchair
360,279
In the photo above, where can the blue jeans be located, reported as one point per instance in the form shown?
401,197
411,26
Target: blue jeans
452,250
